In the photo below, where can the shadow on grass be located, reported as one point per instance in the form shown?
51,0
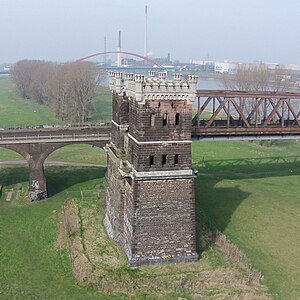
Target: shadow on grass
252,167
13,175
58,178
215,205
61,178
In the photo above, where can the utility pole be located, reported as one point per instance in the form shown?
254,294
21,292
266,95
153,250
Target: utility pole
146,38
119,50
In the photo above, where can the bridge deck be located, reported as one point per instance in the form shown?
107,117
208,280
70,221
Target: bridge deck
252,114
220,114
57,134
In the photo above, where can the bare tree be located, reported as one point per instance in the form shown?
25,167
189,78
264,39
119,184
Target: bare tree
84,87
281,80
68,89
58,92
257,78
22,75
42,72
248,78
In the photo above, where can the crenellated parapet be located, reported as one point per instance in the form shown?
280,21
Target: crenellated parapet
142,88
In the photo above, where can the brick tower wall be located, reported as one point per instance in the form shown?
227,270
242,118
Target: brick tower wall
114,199
142,114
139,156
164,223
147,125
120,108
150,197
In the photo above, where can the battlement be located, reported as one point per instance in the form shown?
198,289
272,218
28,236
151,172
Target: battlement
141,88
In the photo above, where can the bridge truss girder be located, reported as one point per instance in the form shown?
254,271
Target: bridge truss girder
246,113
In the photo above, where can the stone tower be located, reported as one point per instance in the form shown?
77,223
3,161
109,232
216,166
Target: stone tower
150,203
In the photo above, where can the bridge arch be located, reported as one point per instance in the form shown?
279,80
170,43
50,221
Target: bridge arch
155,63
36,155
15,175
58,146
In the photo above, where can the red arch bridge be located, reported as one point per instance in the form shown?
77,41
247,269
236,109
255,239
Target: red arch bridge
147,59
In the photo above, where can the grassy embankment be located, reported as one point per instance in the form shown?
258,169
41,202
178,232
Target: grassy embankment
34,267
250,192
254,201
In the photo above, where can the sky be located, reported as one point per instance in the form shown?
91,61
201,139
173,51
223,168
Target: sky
235,30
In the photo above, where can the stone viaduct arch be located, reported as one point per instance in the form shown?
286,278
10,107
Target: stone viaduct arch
35,154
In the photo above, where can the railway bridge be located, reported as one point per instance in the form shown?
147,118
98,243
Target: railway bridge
150,180
36,143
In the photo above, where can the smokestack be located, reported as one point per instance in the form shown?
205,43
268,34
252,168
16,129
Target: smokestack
146,41
119,49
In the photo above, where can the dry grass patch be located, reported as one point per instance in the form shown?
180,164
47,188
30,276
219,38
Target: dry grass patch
98,261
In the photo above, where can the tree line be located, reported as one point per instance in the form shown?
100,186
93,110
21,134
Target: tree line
68,89
258,78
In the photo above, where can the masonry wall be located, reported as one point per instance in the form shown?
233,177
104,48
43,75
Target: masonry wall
139,156
150,204
146,120
164,221
147,125
116,136
114,210
120,118
128,217
120,108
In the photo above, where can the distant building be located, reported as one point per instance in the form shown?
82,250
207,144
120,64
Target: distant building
225,67
164,60
207,66
7,68
214,66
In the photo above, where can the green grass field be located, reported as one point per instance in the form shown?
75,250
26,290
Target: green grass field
17,111
31,266
249,191
34,267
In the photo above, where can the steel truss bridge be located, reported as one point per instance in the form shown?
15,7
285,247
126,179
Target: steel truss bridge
242,115
220,114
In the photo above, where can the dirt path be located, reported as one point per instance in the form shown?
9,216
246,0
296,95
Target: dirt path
51,163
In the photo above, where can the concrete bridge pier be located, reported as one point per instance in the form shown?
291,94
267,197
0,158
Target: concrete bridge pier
37,180
35,155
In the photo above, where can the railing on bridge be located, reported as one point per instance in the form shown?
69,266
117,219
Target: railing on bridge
220,114
240,113
54,133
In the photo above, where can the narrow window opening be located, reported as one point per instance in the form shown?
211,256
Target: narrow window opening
151,160
177,119
152,118
165,119
158,104
164,159
172,104
176,159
